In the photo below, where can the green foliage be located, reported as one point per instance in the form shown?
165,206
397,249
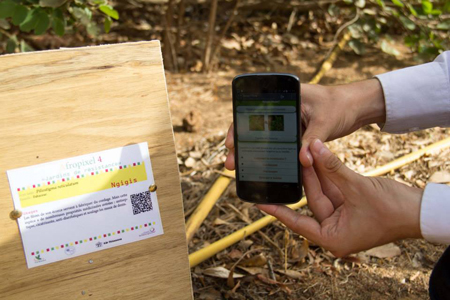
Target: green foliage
7,9
19,14
398,3
11,45
109,11
388,46
59,22
52,3
19,17
444,25
410,25
107,25
357,46
424,23
427,7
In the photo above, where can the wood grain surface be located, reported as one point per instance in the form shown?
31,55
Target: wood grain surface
70,102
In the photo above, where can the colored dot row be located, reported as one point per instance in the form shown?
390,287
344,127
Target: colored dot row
77,177
91,239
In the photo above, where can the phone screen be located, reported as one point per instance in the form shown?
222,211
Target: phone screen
267,134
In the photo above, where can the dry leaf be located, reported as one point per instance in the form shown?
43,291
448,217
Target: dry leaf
198,66
210,294
299,253
293,250
385,251
190,162
413,277
274,282
245,244
440,177
195,154
417,260
230,279
386,155
219,221
291,273
420,183
410,174
286,243
255,261
220,272
254,270
238,284
235,253
360,258
231,44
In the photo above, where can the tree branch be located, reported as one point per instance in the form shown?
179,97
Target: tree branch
210,36
224,31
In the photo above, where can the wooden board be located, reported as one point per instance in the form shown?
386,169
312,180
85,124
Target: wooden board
70,102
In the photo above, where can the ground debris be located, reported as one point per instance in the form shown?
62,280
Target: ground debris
220,272
385,251
310,272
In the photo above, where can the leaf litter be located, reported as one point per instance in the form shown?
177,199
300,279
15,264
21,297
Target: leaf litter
308,270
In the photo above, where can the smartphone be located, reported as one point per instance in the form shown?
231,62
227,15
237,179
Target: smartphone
267,137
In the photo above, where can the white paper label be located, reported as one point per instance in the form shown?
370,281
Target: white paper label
87,203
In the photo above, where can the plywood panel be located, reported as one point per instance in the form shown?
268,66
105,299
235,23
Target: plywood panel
64,103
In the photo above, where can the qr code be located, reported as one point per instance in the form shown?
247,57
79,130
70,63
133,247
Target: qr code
141,202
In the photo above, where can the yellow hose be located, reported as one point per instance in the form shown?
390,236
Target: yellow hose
207,252
406,159
329,61
205,206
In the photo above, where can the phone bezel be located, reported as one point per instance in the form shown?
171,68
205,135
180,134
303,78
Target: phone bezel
268,192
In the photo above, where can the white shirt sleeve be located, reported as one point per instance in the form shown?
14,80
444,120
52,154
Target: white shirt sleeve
435,213
417,97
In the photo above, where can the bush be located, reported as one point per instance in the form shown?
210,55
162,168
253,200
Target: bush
59,16
424,24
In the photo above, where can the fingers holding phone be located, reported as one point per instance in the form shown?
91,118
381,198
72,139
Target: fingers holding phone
229,143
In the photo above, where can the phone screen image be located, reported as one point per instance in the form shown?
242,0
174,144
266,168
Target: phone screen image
267,137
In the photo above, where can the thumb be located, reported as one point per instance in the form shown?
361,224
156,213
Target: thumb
329,165
313,131
229,141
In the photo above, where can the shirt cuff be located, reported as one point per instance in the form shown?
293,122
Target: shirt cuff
434,213
417,97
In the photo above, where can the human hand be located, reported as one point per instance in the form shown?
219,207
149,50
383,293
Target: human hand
330,112
352,212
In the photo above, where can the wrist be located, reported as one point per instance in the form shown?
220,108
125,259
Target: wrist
407,214
371,101
364,100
